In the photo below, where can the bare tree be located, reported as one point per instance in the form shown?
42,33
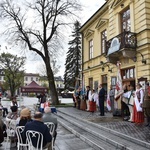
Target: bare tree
41,69
41,33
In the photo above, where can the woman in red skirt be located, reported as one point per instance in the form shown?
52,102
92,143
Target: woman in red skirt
92,102
138,114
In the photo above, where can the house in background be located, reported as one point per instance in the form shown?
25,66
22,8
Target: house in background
59,83
40,80
29,77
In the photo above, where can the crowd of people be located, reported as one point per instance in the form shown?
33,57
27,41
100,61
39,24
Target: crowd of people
22,116
90,100
135,101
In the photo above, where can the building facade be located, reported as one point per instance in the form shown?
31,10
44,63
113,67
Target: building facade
118,31
29,77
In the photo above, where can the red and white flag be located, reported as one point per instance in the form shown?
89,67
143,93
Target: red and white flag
108,102
119,88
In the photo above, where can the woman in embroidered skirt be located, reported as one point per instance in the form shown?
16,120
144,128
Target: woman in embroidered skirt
138,114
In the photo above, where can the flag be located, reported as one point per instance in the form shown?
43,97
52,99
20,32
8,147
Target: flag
118,89
108,102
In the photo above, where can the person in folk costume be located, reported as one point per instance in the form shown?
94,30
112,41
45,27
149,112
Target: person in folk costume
146,104
101,99
130,100
111,96
83,100
74,99
87,97
138,114
14,102
78,96
92,101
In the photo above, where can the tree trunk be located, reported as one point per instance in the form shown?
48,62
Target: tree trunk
53,91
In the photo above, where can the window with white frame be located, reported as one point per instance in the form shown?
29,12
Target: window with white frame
91,49
125,20
103,41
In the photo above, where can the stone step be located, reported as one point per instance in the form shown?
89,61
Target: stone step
85,136
115,138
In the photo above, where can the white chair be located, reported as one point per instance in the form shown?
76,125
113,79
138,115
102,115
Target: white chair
51,127
36,137
10,129
20,144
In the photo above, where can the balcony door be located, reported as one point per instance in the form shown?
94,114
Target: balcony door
125,20
104,84
91,83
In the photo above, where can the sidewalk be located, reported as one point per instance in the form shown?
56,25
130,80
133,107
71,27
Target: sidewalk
138,131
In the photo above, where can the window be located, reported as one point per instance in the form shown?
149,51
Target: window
103,41
96,86
104,79
31,78
91,83
125,20
36,79
128,73
90,49
113,81
26,78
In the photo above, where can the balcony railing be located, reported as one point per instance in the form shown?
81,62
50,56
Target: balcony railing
126,40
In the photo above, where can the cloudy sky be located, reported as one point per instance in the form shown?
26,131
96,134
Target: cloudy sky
89,8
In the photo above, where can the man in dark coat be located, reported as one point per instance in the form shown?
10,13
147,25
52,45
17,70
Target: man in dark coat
146,104
101,99
38,125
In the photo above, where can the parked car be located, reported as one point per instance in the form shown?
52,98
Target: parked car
67,94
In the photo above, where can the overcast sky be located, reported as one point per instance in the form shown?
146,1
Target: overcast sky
89,8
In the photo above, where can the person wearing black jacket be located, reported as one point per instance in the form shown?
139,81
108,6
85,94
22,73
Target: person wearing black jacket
2,131
101,99
38,125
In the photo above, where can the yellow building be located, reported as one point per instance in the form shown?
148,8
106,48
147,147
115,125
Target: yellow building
118,31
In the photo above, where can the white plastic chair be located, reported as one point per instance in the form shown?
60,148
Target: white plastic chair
37,136
10,129
51,127
20,144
